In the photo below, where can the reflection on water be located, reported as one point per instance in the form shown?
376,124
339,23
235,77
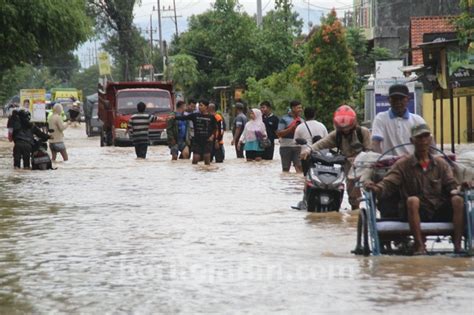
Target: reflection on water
108,233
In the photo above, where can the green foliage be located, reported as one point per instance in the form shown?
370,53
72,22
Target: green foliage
183,71
25,77
328,74
278,88
64,65
38,32
229,48
86,80
365,58
465,22
357,42
380,53
275,48
127,47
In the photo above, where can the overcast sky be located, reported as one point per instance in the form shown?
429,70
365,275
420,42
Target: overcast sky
309,10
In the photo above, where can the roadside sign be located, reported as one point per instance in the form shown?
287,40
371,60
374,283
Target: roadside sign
104,63
37,99
388,69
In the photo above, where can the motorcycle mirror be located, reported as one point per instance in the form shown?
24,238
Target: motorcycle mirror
301,141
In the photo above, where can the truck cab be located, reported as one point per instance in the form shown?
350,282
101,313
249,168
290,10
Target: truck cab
118,102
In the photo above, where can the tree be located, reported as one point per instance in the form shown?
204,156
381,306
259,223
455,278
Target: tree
465,22
86,80
37,33
124,44
222,40
279,88
229,48
63,66
127,63
328,74
276,49
24,77
285,6
365,58
183,71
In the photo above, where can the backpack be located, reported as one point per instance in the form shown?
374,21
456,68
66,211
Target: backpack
360,137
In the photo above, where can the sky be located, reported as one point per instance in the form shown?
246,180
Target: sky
309,10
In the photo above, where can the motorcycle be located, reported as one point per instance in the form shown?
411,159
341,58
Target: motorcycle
324,181
40,158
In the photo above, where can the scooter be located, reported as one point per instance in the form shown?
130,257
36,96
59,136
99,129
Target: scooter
40,158
324,181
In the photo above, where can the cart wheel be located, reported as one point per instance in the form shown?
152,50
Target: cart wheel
358,250
365,227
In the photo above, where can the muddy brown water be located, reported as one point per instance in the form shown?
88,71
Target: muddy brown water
106,233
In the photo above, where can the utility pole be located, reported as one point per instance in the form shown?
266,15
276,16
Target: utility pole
309,22
175,18
259,13
151,39
159,26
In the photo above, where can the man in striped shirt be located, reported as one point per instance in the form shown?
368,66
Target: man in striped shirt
138,126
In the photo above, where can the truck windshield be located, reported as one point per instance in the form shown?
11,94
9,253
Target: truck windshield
155,101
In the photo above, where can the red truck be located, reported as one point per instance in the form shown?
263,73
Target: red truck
118,102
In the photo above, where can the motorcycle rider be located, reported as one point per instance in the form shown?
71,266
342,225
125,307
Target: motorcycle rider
23,132
349,139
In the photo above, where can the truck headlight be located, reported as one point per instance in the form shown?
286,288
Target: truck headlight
121,133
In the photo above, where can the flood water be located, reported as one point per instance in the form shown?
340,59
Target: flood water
107,233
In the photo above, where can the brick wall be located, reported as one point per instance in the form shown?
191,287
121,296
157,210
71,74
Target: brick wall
427,24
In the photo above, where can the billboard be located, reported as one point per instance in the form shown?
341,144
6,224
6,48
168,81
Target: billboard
37,99
461,66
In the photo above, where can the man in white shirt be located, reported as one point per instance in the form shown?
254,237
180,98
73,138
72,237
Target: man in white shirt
311,130
393,127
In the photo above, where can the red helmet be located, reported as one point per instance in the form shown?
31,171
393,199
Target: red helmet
344,117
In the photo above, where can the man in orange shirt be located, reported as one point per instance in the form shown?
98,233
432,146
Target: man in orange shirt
218,152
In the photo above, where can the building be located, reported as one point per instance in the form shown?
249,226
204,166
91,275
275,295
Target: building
386,23
425,29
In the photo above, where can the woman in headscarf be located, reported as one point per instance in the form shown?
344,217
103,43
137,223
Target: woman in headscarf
56,144
252,135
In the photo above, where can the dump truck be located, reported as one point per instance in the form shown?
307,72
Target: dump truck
118,102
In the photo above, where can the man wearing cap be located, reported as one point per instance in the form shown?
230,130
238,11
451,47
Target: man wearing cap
392,127
427,188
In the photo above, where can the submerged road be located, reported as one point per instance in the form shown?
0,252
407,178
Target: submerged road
106,233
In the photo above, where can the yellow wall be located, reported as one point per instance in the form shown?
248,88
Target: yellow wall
428,116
